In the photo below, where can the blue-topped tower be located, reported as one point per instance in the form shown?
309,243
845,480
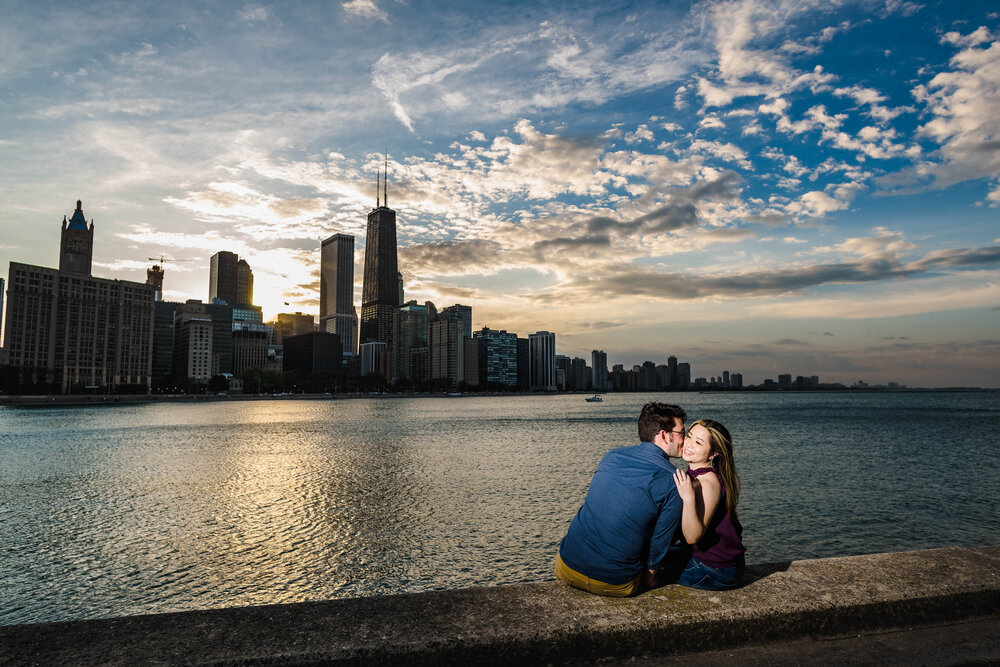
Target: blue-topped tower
76,247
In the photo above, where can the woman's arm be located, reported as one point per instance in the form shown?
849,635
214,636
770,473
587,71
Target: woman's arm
700,497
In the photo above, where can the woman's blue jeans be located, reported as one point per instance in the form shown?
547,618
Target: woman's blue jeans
698,575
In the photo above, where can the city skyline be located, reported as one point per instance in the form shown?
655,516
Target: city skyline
756,186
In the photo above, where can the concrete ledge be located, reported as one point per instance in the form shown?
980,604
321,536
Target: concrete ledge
542,623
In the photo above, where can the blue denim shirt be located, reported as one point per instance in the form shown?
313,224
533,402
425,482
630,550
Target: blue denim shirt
628,518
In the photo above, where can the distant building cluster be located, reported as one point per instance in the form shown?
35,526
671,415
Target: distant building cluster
67,331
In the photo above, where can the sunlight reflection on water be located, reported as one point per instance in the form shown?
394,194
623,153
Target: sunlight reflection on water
117,510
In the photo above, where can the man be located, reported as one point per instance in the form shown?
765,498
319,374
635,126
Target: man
621,536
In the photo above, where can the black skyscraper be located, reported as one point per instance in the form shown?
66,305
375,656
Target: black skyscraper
380,294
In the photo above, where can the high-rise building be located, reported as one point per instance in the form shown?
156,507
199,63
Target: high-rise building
579,377
410,353
2,293
647,376
313,352
244,284
463,314
673,381
76,244
471,370
374,358
542,360
193,356
222,277
66,327
250,343
446,339
497,358
287,325
599,362
337,313
683,376
562,372
523,367
163,344
785,380
381,291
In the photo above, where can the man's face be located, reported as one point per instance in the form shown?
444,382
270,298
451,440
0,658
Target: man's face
674,438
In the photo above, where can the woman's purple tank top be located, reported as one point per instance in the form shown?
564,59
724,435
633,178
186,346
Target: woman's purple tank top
722,543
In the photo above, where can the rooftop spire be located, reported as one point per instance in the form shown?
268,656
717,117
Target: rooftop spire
385,182
78,221
377,188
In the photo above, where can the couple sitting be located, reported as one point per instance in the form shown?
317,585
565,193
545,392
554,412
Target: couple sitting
622,539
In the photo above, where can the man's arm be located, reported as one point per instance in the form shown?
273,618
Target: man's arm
666,523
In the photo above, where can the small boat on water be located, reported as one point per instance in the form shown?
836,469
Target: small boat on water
594,399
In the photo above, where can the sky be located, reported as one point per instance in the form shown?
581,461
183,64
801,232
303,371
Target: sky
759,186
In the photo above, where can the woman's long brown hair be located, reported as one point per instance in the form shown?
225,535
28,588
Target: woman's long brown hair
722,447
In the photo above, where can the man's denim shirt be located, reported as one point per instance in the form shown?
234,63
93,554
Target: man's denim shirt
628,519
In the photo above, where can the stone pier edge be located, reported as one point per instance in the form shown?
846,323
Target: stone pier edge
543,623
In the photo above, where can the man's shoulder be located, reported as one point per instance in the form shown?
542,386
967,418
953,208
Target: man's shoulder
645,453
622,453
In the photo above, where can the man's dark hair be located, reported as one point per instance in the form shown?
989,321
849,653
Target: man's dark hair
656,417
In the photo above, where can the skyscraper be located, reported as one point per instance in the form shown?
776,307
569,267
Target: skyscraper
446,340
463,314
337,313
497,358
380,296
410,354
222,277
542,360
1,310
244,284
599,361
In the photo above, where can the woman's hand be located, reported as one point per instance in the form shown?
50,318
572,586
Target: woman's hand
684,487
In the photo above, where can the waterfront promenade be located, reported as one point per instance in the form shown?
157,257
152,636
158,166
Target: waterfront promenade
549,623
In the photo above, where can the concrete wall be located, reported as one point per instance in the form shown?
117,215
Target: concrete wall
544,623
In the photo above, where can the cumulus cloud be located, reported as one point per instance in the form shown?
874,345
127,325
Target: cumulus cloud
975,38
963,121
366,9
816,204
641,133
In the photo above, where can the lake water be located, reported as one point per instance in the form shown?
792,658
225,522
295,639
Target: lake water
116,510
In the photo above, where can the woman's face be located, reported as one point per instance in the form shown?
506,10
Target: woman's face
697,445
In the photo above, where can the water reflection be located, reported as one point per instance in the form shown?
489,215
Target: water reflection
138,509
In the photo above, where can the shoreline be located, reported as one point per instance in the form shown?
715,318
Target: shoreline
70,400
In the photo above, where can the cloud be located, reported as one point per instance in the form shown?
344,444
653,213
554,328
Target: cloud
816,204
452,258
366,9
789,341
975,38
962,104
633,281
885,243
745,67
549,64
254,13
642,133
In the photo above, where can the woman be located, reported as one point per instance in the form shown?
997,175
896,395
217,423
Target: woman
710,489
